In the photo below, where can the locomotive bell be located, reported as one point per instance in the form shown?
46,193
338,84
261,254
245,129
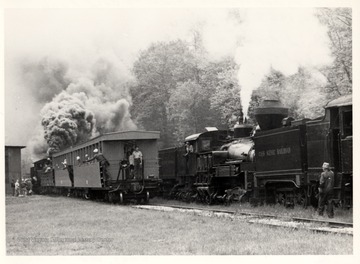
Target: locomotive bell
270,114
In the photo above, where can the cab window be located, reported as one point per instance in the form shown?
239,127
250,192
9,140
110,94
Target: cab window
206,144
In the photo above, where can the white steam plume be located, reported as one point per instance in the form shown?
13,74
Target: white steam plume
283,39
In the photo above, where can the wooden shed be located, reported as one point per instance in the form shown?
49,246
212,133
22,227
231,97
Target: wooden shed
12,166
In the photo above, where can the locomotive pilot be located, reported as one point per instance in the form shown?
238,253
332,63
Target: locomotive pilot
326,190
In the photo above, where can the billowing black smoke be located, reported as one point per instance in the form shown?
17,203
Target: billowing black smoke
80,108
66,122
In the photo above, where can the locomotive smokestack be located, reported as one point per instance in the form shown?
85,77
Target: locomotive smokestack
270,114
242,129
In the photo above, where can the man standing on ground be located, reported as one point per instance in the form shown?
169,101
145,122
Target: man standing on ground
326,191
17,188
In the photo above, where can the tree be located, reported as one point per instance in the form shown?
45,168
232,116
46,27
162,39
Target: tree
302,93
179,91
189,109
158,70
225,100
339,74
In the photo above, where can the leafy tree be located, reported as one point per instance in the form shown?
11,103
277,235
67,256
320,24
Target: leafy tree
189,110
339,74
210,100
304,94
301,92
157,71
225,99
179,91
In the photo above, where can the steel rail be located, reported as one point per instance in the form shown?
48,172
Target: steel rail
323,226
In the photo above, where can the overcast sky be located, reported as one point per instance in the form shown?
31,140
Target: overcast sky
282,38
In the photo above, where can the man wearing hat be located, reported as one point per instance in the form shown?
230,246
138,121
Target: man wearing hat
78,159
104,163
326,190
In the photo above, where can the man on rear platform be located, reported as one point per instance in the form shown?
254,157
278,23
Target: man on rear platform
138,160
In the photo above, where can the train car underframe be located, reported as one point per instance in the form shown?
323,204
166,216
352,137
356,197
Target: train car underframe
120,194
206,188
283,192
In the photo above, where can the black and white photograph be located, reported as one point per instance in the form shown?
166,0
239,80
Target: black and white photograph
179,129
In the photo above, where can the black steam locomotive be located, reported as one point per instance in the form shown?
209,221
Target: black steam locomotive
100,168
278,163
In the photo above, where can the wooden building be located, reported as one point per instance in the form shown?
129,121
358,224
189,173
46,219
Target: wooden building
12,166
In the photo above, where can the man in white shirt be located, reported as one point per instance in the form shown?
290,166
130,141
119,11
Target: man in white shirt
131,163
138,158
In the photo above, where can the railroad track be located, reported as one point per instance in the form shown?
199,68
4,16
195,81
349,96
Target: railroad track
296,223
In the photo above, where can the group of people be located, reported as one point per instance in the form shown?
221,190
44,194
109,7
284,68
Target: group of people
135,158
135,162
22,188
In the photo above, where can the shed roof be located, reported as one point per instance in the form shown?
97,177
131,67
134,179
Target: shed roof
13,146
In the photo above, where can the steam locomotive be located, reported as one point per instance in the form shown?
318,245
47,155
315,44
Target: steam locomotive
278,163
77,171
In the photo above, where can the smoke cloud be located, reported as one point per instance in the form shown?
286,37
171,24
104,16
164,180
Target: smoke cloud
87,107
283,39
66,122
45,78
86,60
